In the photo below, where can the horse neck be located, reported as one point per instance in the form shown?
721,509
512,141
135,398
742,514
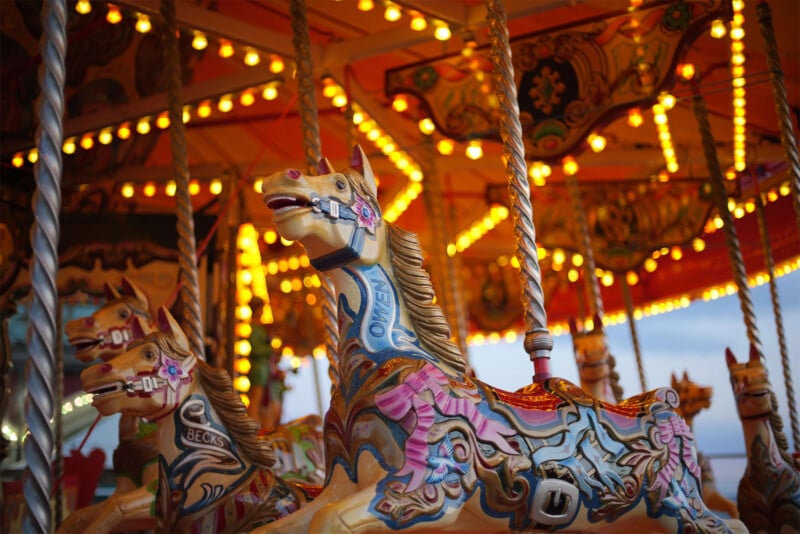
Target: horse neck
757,428
595,378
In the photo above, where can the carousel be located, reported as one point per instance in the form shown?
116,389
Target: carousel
203,201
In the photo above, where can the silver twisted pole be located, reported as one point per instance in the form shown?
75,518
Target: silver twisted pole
312,147
626,294
42,334
187,250
781,101
735,252
776,310
538,341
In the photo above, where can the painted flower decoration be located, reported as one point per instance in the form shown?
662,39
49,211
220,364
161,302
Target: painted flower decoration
367,217
172,371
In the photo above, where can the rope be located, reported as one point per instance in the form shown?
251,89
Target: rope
42,333
538,341
776,310
312,146
734,250
781,104
187,256
626,294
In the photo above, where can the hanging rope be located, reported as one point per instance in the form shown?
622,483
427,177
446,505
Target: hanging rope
187,256
42,333
781,102
538,341
776,310
312,147
590,275
626,294
734,250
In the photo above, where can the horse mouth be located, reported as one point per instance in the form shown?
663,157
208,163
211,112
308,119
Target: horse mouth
84,343
101,392
281,204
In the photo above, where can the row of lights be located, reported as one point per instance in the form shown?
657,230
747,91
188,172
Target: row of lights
150,189
738,83
144,125
665,102
393,12
742,208
477,230
200,41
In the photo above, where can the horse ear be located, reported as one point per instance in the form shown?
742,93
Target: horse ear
325,166
360,163
138,330
729,357
754,353
573,326
169,325
673,380
110,291
685,375
131,289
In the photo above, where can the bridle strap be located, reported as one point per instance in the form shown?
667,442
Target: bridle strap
333,210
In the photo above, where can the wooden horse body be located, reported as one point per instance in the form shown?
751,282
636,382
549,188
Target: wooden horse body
411,441
769,492
595,362
693,399
214,471
106,334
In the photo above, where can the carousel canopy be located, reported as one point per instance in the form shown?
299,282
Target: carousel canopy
605,95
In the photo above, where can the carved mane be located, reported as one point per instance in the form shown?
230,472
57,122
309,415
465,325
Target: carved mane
414,285
218,388
417,293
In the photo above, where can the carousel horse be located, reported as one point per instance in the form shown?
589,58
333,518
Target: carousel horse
106,334
102,336
412,441
769,492
595,362
214,470
693,399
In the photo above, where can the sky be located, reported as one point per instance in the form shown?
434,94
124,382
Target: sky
692,339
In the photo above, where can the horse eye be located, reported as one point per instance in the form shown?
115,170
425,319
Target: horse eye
341,185
149,354
124,314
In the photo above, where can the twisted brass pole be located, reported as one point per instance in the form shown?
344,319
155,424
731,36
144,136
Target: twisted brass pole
788,138
776,310
42,332
538,341
187,254
626,294
734,250
312,147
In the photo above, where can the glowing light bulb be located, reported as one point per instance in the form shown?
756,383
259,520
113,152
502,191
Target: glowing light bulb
251,58
225,103
143,24
474,149
69,146
270,92
635,118
276,64
143,126
442,31
445,147
162,121
84,7
87,141
718,29
569,165
19,159
418,22
400,103
199,41
149,189
127,190
426,126
392,13
225,48
597,142
113,16
366,5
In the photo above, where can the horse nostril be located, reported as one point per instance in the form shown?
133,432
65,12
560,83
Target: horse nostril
294,174
89,321
105,368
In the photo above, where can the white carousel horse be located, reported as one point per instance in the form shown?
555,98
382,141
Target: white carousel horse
214,470
769,492
412,442
595,363
694,398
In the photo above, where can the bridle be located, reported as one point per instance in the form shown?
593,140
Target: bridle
335,210
149,384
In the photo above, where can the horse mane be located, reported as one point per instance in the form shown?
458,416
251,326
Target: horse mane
218,388
417,293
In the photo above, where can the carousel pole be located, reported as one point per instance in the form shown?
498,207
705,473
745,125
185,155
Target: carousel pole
538,341
190,291
58,423
312,146
454,270
590,274
776,310
734,250
781,103
626,294
42,333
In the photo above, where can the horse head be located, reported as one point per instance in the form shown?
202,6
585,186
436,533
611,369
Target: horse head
693,396
335,215
591,349
750,384
108,331
149,379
